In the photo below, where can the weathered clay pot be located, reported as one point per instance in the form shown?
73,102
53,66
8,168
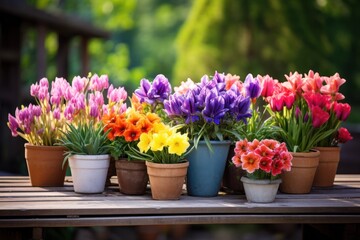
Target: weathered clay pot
300,178
132,176
328,164
166,180
44,165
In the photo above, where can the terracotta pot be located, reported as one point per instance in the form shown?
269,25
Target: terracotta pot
260,191
328,164
232,175
44,165
132,176
166,180
300,178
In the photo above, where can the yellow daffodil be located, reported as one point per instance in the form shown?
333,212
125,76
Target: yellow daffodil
144,143
158,141
178,143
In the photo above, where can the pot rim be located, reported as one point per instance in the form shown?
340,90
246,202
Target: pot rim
167,165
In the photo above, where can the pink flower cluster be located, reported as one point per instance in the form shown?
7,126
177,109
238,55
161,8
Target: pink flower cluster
320,92
267,155
40,124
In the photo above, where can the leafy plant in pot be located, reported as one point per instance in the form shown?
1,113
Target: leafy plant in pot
208,112
87,151
125,130
257,126
164,148
301,109
264,161
57,104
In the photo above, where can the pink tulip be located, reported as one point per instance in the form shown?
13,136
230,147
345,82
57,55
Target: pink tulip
268,85
343,135
342,110
319,116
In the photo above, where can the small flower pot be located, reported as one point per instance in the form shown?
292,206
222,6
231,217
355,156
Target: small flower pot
300,179
132,176
260,191
328,164
44,165
166,180
89,172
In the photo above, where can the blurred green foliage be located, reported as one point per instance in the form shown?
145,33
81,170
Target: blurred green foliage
184,39
272,37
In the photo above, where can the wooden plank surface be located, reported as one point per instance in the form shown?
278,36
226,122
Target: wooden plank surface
23,205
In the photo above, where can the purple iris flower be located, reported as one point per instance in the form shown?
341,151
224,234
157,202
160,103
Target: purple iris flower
189,108
143,90
173,105
214,109
160,89
242,108
219,81
252,86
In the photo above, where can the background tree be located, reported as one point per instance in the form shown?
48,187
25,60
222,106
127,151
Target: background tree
271,37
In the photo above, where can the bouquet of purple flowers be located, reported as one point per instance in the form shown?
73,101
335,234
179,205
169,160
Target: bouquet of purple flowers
208,110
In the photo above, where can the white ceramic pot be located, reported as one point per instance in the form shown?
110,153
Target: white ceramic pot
89,172
260,191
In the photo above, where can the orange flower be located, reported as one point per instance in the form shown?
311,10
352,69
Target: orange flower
153,118
144,125
241,147
236,160
133,117
135,103
120,126
132,133
250,162
254,144
109,122
270,143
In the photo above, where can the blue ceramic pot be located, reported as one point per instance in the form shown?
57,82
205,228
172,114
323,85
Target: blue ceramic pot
206,168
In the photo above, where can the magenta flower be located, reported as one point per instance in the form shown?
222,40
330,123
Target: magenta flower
342,110
319,116
13,125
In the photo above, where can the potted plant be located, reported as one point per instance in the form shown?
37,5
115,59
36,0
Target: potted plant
125,130
208,113
164,148
264,161
257,126
42,124
301,111
88,151
327,92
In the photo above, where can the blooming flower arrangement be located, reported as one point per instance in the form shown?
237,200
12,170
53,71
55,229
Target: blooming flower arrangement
83,101
308,110
163,144
265,159
125,128
257,125
207,110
